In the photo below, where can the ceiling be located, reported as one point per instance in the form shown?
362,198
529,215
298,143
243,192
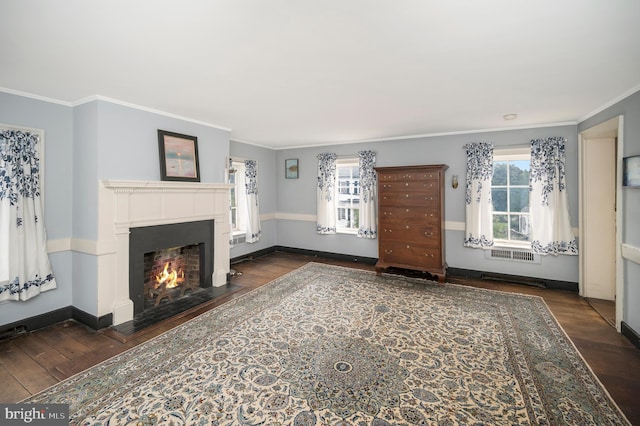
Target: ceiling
291,73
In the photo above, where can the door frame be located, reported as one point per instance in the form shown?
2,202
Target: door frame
612,128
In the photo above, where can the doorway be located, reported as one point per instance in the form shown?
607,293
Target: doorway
600,180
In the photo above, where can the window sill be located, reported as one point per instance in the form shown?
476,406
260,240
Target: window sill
347,231
524,246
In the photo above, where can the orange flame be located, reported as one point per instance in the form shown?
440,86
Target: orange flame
169,278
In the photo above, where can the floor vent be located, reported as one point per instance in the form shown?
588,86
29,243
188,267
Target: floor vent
13,332
513,255
513,279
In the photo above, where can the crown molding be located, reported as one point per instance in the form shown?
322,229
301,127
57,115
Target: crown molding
147,109
427,135
610,103
36,97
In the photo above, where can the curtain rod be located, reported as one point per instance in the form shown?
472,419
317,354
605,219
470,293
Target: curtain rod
528,145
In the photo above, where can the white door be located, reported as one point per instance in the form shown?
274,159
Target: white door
599,218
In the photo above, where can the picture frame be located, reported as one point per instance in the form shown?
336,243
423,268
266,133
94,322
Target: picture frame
291,168
631,171
178,157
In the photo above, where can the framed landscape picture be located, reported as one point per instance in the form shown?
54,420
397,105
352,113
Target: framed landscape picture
178,157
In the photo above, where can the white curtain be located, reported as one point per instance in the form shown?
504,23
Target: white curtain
479,219
326,197
253,210
550,225
368,195
25,270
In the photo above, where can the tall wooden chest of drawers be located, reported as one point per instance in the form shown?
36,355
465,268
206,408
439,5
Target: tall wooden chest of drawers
411,219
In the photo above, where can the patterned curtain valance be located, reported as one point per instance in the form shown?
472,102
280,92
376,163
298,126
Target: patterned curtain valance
254,230
326,203
25,270
479,218
368,194
550,224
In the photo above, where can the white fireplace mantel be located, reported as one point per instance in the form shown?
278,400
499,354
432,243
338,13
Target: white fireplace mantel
123,205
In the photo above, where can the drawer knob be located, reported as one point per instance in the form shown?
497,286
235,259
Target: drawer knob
407,226
388,251
406,195
430,234
428,255
406,184
407,210
408,246
388,230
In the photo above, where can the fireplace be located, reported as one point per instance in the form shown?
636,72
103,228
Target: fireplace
169,262
129,208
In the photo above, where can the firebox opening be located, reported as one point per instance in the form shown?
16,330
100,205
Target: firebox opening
171,274
186,249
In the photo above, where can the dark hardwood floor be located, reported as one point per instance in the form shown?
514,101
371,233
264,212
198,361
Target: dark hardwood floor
32,362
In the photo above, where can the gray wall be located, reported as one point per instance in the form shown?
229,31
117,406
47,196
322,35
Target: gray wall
298,196
85,143
630,109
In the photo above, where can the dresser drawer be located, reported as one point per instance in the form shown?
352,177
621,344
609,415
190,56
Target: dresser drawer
433,176
418,233
428,215
428,187
408,199
405,253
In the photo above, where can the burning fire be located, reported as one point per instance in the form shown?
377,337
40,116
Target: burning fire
169,278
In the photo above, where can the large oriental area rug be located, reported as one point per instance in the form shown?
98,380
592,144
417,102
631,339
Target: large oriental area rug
328,345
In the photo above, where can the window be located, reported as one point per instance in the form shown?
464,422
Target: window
510,197
234,196
237,207
348,196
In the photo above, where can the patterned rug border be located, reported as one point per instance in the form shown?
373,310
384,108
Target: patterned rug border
268,287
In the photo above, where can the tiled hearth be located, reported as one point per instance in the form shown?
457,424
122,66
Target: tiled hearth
161,312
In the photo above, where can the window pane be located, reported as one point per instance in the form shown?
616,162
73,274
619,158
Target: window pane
500,226
499,173
519,200
519,172
519,227
499,199
347,196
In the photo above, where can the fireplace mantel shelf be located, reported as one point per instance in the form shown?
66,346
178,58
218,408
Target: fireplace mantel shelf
161,186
